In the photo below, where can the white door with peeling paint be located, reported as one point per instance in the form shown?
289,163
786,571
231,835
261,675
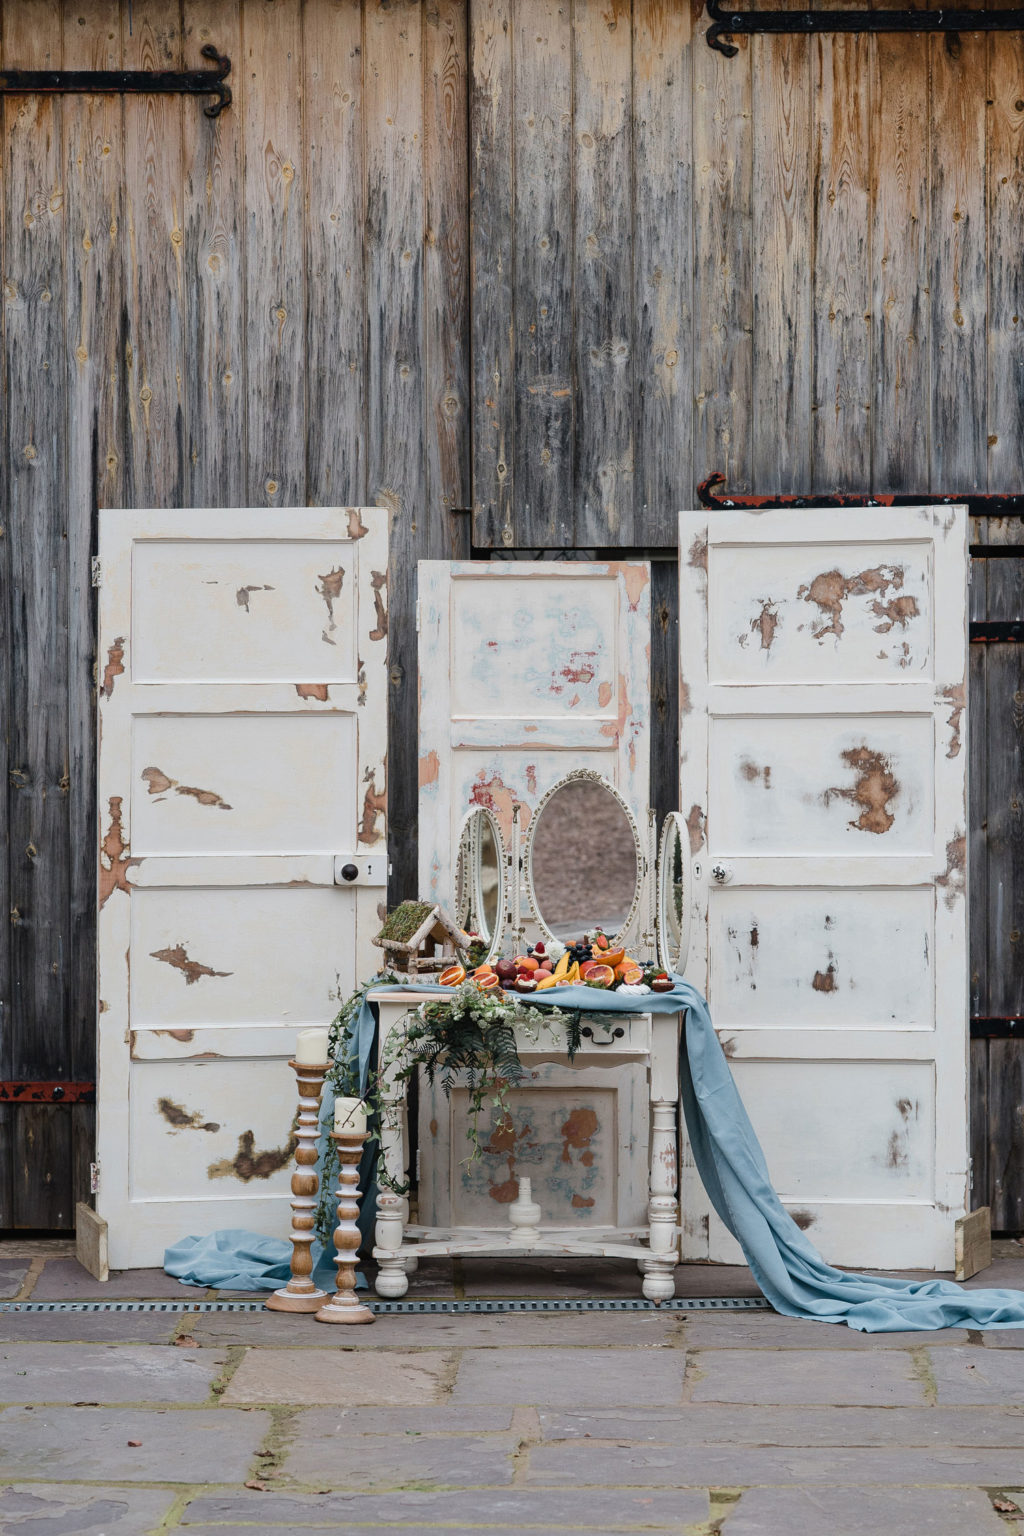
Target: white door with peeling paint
242,721
528,669
823,770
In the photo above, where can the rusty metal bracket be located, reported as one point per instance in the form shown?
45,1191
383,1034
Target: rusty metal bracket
1008,1028
126,82
978,504
996,631
21,1091
728,23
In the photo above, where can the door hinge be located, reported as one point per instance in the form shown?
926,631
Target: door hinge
94,1178
417,615
970,1173
96,571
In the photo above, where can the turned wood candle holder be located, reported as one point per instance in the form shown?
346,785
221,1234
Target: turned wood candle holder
300,1294
344,1306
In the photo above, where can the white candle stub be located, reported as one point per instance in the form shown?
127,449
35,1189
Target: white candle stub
311,1047
350,1117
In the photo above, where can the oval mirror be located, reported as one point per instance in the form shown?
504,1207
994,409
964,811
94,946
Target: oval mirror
673,934
478,871
583,858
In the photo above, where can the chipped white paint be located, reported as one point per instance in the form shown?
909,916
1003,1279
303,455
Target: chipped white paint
242,764
820,653
527,670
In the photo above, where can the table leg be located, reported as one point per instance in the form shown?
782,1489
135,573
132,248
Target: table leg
392,1280
662,1210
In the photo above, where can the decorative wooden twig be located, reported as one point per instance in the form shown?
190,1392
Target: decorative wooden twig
344,1306
300,1294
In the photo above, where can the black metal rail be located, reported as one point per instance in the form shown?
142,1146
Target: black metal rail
978,503
126,82
23,1091
727,23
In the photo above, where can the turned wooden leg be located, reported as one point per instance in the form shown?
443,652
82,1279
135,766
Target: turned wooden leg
344,1306
392,1280
659,1277
300,1294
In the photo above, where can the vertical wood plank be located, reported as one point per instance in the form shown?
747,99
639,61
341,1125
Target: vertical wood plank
841,272
446,274
782,237
332,36
214,268
543,299
6,700
154,239
37,725
43,1189
977,825
274,267
92,145
393,107
900,312
957,276
602,267
663,277
1005,275
978,1077
665,723
1006,1136
723,239
1004,813
492,272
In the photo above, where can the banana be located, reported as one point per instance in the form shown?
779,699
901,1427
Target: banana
562,968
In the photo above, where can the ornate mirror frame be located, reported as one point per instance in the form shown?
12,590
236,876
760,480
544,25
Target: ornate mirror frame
469,895
674,826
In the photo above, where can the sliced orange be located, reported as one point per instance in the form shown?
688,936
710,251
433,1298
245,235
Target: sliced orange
586,967
614,957
632,975
483,970
599,976
489,983
454,976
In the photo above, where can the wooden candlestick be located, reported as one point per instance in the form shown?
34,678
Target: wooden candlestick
344,1306
300,1294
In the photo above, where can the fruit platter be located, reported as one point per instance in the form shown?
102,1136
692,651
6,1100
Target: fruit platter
591,961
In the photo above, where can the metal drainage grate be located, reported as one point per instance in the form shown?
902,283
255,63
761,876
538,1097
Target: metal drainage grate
493,1305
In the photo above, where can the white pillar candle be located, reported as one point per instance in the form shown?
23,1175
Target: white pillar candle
350,1117
311,1047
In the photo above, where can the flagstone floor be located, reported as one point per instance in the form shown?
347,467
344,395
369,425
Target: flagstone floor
682,1424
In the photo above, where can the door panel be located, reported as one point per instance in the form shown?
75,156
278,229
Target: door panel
823,659
242,760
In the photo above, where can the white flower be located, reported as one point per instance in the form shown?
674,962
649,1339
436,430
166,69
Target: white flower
554,949
634,991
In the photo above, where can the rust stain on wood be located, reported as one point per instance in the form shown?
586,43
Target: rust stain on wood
875,788
803,1219
577,1132
114,855
357,529
604,694
956,697
503,1142
695,829
581,1202
330,590
831,589
495,796
635,578
183,1036
375,803
312,691
379,585
751,772
157,783
766,622
114,667
429,768
243,594
697,557
952,880
248,1164
180,1119
825,981
178,959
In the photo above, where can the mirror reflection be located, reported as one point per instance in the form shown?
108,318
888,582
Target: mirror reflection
671,888
583,860
478,875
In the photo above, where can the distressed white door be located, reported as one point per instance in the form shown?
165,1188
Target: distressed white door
242,721
823,768
528,669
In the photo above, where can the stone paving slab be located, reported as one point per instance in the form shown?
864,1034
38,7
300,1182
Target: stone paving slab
626,1330
599,1510
337,1376
734,1466
440,1418
91,1444
50,1510
709,1424
588,1277
768,1330
977,1376
66,1280
364,1463
106,1373
12,1277
858,1511
882,1378
571,1378
1002,1338
88,1327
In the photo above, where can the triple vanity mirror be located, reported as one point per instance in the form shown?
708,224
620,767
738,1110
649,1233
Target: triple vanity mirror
581,862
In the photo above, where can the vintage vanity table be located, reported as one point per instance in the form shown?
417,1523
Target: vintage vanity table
597,1138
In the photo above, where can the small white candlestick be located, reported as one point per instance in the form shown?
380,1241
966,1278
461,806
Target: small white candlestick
349,1117
524,1214
311,1048
344,1306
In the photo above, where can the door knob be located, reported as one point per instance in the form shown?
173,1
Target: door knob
721,873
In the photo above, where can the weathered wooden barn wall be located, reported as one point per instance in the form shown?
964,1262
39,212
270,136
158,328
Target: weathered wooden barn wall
554,261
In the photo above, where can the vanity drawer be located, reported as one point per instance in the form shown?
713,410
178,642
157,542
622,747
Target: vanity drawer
604,1034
